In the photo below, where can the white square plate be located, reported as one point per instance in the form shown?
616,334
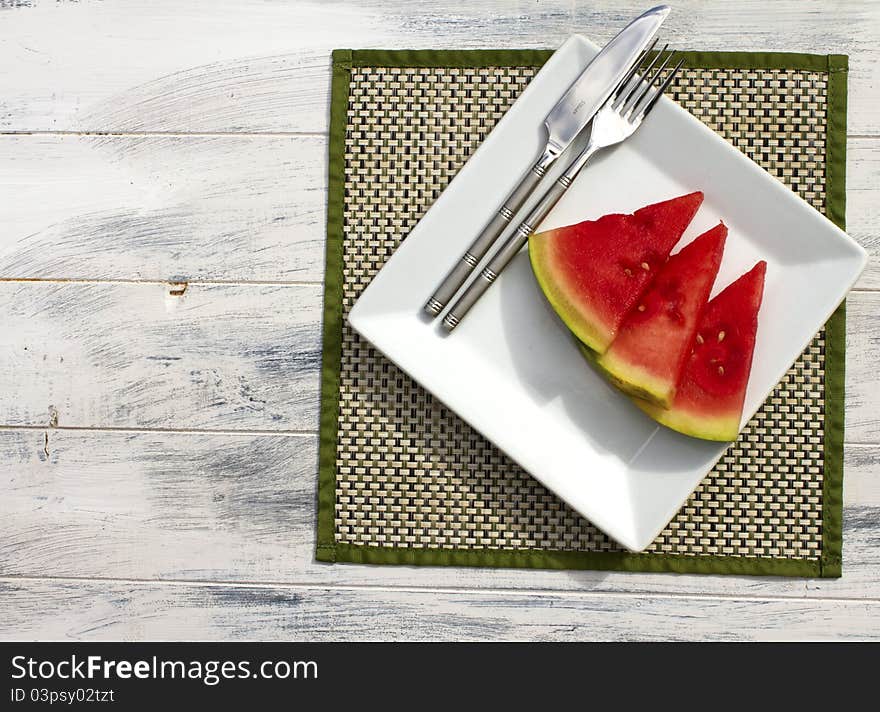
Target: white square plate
513,371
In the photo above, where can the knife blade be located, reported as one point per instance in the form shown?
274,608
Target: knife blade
601,77
566,120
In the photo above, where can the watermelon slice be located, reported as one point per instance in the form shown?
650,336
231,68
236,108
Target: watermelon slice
646,358
709,400
592,273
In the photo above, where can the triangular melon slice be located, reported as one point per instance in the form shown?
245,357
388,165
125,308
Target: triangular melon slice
709,400
592,273
647,357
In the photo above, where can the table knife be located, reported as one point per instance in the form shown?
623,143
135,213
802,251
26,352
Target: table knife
564,122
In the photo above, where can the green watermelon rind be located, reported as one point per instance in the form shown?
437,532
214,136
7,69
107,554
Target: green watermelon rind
577,320
587,324
720,428
636,381
599,363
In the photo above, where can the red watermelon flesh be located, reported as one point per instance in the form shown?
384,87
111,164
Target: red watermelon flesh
593,272
709,400
647,357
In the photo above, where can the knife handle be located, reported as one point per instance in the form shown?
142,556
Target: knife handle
514,243
487,237
505,254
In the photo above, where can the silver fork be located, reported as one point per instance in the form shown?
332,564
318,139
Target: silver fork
616,121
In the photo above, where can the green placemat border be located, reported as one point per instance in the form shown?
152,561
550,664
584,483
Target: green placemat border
828,566
332,335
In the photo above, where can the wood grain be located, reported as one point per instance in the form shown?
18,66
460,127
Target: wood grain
241,508
862,376
224,208
109,610
160,355
253,66
863,204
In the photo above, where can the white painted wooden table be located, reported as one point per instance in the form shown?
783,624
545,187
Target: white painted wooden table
162,198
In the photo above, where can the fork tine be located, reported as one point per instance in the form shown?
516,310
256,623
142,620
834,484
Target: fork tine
633,103
635,68
625,99
660,89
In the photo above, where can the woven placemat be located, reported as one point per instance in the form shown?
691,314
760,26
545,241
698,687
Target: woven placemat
404,481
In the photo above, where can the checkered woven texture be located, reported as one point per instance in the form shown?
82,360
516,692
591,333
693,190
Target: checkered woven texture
410,473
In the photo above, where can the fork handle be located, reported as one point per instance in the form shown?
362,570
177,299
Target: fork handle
515,242
487,237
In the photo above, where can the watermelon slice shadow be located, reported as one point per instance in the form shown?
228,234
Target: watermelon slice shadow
546,357
645,463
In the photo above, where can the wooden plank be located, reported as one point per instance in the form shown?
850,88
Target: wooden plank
863,204
222,356
109,610
862,376
177,208
221,66
218,208
256,66
241,508
160,355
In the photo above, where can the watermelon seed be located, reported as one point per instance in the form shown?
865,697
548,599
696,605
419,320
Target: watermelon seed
646,267
641,307
628,272
699,339
721,370
721,336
